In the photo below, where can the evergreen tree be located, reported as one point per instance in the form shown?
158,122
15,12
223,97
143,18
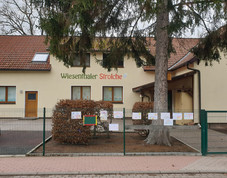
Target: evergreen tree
73,26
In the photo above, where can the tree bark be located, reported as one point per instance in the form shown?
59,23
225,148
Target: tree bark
160,135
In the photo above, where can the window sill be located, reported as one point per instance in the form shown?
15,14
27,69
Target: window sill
80,66
7,102
116,102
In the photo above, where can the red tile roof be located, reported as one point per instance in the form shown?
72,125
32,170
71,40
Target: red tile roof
181,56
17,52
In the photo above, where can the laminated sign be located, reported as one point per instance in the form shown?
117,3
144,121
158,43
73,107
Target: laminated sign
177,116
152,116
168,122
113,127
118,114
165,115
76,115
188,116
136,115
103,115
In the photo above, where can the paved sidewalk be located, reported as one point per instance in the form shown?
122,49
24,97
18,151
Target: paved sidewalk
101,165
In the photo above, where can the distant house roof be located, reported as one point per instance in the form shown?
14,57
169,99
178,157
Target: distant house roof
182,55
17,53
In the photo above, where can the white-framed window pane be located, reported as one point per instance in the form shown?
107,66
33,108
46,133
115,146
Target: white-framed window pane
117,94
107,93
76,93
11,93
86,93
2,94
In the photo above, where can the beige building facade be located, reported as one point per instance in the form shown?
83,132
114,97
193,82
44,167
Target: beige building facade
27,83
58,83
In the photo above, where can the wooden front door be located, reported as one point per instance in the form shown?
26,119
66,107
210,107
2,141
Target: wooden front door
31,102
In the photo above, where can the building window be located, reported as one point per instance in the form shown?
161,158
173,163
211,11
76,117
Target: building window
81,93
114,94
7,95
120,63
78,62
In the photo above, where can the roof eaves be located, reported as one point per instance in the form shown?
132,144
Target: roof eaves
193,59
179,61
49,69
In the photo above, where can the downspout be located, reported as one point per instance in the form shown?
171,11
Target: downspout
199,84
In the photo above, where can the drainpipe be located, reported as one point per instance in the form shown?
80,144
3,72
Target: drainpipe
199,84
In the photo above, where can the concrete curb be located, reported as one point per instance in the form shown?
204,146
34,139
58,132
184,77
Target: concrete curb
118,154
114,173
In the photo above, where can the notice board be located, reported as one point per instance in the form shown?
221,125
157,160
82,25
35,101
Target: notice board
90,120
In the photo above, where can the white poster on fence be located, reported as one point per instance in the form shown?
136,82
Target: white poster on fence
76,115
118,114
136,115
113,127
168,122
188,116
103,115
177,116
152,116
165,115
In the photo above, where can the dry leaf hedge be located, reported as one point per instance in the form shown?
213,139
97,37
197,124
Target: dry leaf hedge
67,130
144,108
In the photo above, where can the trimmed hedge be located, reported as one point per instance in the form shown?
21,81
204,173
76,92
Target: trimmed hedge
144,108
67,130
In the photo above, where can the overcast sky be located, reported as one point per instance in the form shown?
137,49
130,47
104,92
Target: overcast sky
199,32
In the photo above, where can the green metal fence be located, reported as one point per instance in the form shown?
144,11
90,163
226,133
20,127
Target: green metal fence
126,139
19,135
213,138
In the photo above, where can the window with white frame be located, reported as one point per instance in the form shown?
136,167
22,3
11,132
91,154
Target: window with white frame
7,94
113,94
81,92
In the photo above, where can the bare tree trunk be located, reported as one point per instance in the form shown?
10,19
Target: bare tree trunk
160,134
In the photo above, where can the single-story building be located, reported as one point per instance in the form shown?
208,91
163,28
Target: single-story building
31,78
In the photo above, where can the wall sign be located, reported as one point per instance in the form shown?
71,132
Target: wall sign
91,76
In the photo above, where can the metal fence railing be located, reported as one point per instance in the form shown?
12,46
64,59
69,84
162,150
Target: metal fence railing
20,135
214,135
124,133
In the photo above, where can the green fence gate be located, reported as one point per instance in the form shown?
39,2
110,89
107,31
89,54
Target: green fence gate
213,140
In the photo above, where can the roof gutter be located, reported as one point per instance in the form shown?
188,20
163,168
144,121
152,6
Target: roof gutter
199,85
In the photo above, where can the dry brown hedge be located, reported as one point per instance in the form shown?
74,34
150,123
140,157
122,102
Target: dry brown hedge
144,108
67,130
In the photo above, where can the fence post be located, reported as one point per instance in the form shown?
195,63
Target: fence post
44,130
124,130
204,135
